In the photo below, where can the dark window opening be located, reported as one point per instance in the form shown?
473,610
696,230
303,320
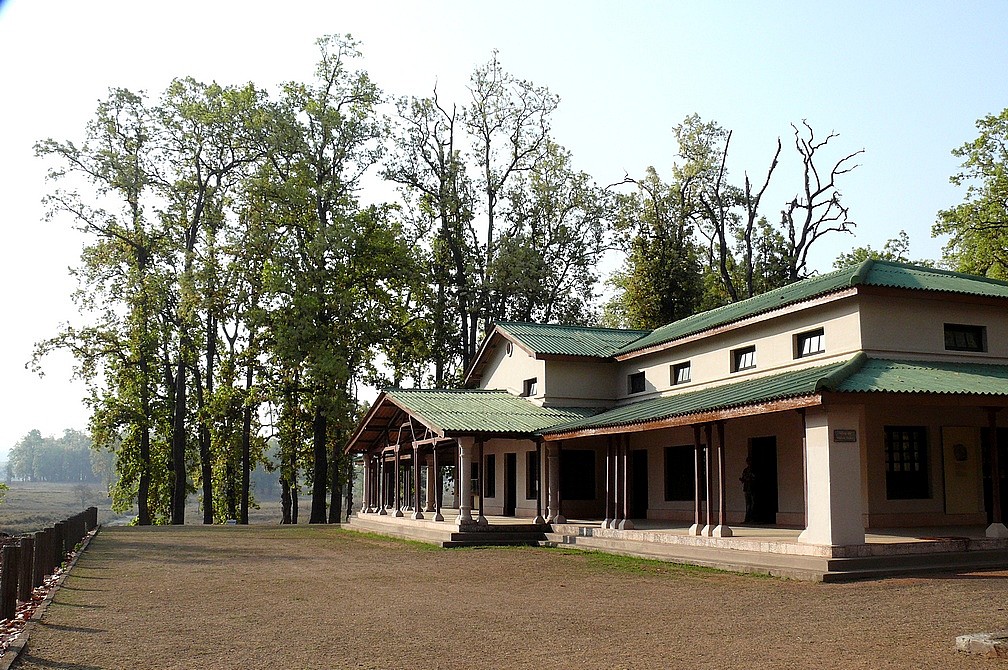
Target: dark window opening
530,387
680,473
744,358
959,337
810,343
906,462
531,475
681,373
635,383
577,474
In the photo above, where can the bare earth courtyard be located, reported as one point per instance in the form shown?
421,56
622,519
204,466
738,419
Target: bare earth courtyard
320,597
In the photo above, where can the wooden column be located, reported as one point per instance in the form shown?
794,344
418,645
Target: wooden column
997,527
608,483
9,581
382,485
397,485
708,528
438,487
429,504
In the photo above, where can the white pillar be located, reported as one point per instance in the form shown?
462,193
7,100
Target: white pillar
722,529
365,483
608,522
398,485
464,485
624,458
553,458
834,476
417,514
381,485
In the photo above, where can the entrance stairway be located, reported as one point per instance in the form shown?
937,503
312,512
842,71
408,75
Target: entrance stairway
450,534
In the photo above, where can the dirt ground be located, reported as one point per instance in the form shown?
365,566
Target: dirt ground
321,597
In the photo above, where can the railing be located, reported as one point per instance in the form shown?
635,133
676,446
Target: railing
25,561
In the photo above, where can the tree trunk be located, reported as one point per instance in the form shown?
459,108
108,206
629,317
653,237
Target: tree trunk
178,446
349,488
335,490
321,472
206,466
285,500
246,448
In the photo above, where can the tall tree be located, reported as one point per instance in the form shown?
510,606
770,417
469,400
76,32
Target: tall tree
333,275
978,226
122,285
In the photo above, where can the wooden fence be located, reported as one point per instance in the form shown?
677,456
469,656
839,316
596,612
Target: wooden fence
25,561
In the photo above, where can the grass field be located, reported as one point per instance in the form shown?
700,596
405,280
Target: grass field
31,506
321,597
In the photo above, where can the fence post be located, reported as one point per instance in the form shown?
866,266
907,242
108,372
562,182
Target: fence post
25,560
38,559
59,540
8,581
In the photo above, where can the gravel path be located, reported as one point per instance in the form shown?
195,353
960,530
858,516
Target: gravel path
318,597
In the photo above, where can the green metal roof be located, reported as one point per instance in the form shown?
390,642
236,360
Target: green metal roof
860,374
479,411
764,389
571,340
869,273
888,376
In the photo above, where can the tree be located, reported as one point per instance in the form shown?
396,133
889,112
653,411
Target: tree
121,284
334,274
978,226
662,279
742,252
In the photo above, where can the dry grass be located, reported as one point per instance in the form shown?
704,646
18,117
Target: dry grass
31,506
319,597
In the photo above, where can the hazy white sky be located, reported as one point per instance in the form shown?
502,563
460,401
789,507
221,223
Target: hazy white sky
904,81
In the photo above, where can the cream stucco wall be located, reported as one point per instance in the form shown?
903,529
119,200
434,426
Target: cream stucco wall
507,372
773,336
914,325
968,508
580,383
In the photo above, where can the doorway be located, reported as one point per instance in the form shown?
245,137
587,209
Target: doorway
510,484
988,484
763,455
638,484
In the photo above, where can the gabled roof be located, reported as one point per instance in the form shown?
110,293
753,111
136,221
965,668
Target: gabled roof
546,340
860,374
869,273
479,411
549,339
446,413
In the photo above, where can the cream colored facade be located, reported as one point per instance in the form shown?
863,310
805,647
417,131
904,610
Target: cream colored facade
835,490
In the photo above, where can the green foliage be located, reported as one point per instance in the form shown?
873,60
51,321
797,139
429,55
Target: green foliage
978,227
895,249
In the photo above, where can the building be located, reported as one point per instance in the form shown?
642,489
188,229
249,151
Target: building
865,400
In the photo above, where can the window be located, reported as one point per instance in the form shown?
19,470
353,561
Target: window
530,387
680,373
680,473
744,358
635,383
531,476
809,344
577,474
959,337
906,462
490,477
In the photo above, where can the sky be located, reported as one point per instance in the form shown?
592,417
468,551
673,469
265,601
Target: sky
903,81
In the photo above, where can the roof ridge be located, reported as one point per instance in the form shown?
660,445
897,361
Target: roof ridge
571,326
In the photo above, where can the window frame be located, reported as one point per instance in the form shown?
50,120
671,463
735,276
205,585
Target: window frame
966,330
802,339
740,354
907,470
676,368
530,387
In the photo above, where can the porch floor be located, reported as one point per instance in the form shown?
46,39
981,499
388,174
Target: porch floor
771,550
